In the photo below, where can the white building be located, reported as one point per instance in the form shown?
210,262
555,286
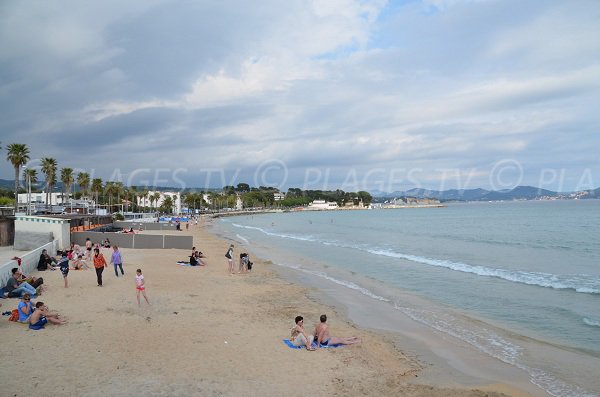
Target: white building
278,196
146,202
323,205
40,198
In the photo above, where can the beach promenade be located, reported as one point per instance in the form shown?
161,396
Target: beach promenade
206,333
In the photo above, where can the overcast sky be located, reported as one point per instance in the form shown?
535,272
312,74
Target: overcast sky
357,95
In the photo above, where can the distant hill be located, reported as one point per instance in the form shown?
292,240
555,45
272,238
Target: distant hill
518,193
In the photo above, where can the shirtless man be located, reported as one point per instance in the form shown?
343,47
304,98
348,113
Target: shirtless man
41,315
325,339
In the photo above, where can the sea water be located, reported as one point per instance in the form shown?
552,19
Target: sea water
516,281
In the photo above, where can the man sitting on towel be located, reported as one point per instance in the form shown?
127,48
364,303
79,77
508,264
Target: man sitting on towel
325,339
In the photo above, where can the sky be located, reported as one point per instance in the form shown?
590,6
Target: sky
312,94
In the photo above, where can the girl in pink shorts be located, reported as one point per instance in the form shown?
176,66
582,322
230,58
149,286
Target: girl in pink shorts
140,286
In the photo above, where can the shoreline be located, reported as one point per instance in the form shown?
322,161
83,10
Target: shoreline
396,341
205,333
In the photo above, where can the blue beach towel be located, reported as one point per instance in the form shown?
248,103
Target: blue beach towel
314,344
183,264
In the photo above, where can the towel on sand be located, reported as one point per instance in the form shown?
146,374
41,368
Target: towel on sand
314,344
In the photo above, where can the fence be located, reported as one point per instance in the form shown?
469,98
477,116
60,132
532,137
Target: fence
29,261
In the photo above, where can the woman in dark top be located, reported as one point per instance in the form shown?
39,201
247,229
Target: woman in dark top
45,261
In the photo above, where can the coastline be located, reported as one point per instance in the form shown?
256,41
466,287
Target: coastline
205,333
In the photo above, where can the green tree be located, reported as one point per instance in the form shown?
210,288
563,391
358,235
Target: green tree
365,197
167,205
30,177
83,180
66,177
96,188
18,155
143,196
243,187
49,166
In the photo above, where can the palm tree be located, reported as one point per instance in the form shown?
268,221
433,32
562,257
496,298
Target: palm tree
66,177
29,175
49,166
109,190
96,187
156,197
144,195
18,155
83,180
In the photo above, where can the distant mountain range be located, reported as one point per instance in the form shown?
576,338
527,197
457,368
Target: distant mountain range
518,193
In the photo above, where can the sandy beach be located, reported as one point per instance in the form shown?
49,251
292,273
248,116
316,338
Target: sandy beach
205,333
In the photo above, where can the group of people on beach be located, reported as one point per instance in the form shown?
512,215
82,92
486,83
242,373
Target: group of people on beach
77,258
245,265
322,337
28,288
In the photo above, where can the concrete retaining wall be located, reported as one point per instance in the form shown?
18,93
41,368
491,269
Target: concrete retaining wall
25,241
139,241
144,225
60,228
29,261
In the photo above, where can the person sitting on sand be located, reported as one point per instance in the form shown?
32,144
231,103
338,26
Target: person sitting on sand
325,339
15,287
199,255
46,262
25,308
79,263
42,315
299,336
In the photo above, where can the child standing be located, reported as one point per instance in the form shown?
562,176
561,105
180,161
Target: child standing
140,286
64,268
99,265
116,260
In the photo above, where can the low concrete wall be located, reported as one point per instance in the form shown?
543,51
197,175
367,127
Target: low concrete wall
179,242
144,225
29,261
139,241
120,239
149,241
25,241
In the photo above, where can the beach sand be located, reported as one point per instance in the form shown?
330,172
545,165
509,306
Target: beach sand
206,333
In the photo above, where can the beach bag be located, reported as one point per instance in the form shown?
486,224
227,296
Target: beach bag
14,315
228,255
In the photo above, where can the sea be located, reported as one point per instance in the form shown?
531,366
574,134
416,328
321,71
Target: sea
515,282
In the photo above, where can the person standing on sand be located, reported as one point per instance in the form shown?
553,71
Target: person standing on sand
299,336
229,256
99,265
88,249
117,260
324,338
140,286
64,268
